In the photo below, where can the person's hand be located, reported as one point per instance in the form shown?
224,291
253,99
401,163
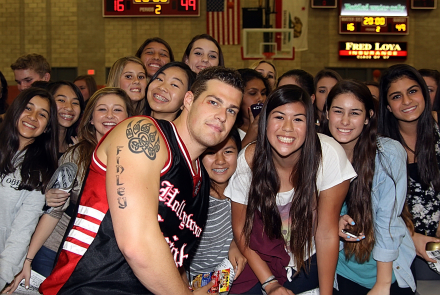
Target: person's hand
74,140
253,122
237,259
276,289
205,289
24,274
56,197
420,242
380,289
344,223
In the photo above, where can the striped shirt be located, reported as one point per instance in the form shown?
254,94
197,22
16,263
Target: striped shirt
216,238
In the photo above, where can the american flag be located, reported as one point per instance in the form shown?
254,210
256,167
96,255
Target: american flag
223,21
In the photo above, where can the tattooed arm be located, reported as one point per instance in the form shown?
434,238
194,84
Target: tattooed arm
135,153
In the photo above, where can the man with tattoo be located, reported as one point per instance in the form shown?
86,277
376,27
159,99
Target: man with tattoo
144,203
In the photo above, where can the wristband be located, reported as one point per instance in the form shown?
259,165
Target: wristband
29,259
268,281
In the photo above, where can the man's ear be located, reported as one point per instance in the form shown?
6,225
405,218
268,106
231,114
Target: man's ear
46,77
188,100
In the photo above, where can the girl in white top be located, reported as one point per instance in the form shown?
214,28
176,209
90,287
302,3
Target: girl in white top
297,180
28,158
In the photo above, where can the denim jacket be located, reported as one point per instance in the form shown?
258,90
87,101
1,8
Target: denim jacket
393,240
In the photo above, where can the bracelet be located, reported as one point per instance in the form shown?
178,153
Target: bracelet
269,280
29,259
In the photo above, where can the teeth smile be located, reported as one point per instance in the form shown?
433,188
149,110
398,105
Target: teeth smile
161,98
29,125
285,139
409,109
219,170
154,65
135,90
109,124
344,130
66,117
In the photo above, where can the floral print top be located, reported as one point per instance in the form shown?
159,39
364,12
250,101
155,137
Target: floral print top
424,204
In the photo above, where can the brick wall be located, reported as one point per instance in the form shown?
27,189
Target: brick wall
73,33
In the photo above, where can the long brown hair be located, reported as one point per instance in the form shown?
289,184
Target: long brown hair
87,132
266,184
358,199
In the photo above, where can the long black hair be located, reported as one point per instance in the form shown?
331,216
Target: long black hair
40,159
358,199
72,130
189,74
266,183
424,152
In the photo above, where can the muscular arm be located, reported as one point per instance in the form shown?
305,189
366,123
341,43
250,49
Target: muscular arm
132,184
327,238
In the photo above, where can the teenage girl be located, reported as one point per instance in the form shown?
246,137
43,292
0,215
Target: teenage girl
379,262
324,81
287,192
130,74
28,158
405,116
432,80
203,52
87,85
268,70
166,91
70,105
155,53
217,240
256,88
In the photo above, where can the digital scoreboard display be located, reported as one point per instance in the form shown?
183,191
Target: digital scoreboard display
375,17
383,25
151,8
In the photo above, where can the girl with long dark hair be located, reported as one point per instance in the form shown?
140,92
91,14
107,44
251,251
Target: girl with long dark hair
28,158
405,116
375,199
70,106
287,193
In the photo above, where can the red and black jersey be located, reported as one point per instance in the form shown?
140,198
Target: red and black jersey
91,262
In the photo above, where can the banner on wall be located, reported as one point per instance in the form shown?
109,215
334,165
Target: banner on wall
294,15
223,21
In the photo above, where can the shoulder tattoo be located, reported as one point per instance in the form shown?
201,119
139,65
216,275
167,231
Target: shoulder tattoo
142,140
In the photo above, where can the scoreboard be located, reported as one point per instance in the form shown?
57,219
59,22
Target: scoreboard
151,8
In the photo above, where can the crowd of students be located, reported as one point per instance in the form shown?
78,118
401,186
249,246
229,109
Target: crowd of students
325,156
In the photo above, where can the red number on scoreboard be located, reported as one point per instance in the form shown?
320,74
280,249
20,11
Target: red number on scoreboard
188,3
119,5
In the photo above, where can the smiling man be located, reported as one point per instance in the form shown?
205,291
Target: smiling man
30,68
144,204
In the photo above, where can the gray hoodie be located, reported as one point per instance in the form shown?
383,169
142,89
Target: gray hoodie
19,214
